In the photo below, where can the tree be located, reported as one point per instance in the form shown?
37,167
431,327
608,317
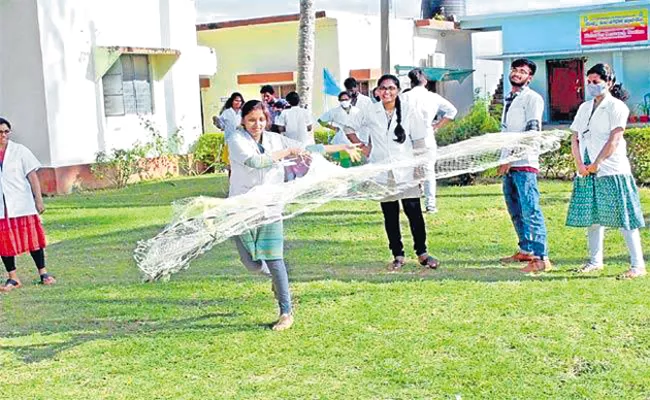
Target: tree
306,39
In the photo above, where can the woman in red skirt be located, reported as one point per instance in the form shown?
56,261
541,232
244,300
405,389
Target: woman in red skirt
21,230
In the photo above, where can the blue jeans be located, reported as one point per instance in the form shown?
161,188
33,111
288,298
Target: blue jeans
522,198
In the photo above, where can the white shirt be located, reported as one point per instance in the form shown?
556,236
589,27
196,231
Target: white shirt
230,120
382,134
242,146
593,135
363,102
295,120
340,118
526,107
15,187
425,106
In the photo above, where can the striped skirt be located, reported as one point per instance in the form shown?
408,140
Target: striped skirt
21,235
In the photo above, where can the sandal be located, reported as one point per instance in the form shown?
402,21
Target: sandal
47,280
632,273
10,285
398,263
429,262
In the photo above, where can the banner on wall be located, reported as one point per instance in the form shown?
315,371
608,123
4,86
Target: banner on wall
624,26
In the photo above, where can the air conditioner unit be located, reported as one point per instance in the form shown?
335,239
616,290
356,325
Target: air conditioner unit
437,60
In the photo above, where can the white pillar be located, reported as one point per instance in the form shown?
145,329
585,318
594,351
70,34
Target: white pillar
617,64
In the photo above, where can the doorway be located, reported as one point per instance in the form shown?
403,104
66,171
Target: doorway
565,88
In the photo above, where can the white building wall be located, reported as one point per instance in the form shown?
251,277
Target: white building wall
22,88
488,72
69,29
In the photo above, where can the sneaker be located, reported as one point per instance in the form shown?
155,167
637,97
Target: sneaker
431,210
284,323
537,265
633,273
590,267
518,257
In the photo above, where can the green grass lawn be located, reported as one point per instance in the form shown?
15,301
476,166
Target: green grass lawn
474,329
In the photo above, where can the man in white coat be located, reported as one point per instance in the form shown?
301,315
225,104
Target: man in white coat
425,106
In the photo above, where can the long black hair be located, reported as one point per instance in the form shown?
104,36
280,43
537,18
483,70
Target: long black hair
5,122
252,105
231,100
400,133
606,73
417,77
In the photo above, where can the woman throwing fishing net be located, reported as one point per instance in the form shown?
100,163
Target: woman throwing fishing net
257,158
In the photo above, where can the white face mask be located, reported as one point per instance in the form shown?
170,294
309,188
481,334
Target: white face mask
596,89
345,103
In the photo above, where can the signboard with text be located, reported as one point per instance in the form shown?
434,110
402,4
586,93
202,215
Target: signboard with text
625,26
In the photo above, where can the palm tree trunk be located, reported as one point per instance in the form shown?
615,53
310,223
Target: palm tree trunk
306,39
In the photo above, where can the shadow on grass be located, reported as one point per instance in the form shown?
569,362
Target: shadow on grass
44,351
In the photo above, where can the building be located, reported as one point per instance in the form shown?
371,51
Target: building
262,51
81,76
566,42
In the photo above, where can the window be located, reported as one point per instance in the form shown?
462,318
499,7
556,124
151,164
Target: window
364,87
127,86
281,91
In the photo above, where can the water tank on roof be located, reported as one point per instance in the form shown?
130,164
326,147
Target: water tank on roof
447,8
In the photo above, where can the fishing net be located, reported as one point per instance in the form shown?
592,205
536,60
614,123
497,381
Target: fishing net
202,222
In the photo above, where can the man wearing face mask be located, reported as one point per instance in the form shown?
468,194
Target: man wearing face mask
339,117
522,112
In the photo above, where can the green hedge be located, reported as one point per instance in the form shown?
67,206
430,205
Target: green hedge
560,165
208,149
477,122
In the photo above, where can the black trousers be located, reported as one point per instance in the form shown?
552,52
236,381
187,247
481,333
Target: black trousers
38,256
413,211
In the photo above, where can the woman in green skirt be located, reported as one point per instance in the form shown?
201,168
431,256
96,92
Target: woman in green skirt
256,159
604,192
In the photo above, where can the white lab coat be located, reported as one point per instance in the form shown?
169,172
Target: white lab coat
14,186
295,120
593,135
363,102
242,146
382,134
425,106
340,118
230,121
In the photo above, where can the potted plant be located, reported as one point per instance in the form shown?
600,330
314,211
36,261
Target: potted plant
632,118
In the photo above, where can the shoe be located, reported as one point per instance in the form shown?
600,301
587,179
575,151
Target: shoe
633,273
537,265
397,263
431,210
589,267
284,323
518,257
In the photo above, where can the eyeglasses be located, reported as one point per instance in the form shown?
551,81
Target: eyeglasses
522,71
388,88
5,131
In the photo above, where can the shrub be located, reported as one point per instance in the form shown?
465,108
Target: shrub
560,165
322,135
118,165
208,149
477,122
